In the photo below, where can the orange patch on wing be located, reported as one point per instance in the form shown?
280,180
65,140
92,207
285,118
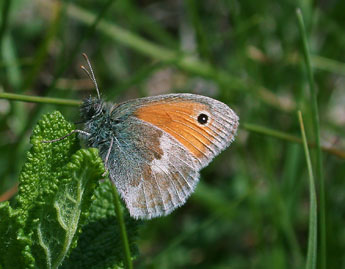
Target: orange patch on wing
180,120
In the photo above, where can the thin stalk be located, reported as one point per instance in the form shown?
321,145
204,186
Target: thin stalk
270,132
315,118
247,126
119,216
288,137
312,237
38,99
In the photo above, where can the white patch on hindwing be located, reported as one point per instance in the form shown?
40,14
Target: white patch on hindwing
175,176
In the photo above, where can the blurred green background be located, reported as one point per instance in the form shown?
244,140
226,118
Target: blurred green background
251,207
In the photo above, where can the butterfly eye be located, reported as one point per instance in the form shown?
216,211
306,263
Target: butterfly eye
91,108
92,111
202,118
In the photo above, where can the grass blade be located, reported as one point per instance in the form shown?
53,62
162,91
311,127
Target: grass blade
315,118
118,210
312,237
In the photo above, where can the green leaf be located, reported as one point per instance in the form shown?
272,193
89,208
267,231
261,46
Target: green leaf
100,244
56,232
55,190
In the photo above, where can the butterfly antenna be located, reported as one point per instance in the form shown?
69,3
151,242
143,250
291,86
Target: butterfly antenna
90,74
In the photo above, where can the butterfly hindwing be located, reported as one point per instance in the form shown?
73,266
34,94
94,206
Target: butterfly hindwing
152,172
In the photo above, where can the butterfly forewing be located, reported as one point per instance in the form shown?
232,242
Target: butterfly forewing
178,116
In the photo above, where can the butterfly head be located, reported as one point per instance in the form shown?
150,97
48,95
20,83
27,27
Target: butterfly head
92,108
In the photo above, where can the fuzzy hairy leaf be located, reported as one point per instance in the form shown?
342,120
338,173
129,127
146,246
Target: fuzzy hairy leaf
56,185
57,230
100,244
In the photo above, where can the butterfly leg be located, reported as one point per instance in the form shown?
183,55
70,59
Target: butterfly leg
107,156
67,135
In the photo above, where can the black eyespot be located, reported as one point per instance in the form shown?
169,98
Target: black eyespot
202,118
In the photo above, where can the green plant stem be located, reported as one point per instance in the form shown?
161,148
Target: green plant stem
288,137
315,118
270,132
247,126
119,216
38,99
312,238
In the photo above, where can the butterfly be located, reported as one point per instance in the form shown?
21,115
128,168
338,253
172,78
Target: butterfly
154,147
